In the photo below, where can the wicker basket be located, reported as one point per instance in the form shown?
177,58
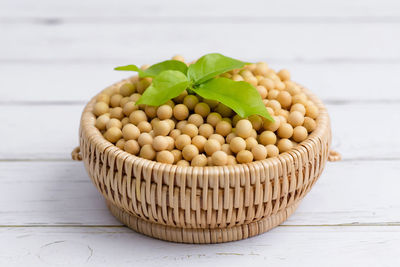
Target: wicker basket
202,204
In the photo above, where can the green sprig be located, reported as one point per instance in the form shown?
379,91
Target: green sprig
172,77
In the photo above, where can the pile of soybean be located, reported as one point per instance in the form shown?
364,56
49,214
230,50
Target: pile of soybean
189,130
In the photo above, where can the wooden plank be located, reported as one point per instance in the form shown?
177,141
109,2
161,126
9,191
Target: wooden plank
50,193
352,192
77,82
283,246
140,42
39,132
351,136
61,193
152,8
51,131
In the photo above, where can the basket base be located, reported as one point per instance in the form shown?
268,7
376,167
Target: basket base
200,236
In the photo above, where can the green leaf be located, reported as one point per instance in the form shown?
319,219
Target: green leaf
168,84
156,69
242,97
211,65
131,68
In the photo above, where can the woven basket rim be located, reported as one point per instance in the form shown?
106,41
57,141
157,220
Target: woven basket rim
88,129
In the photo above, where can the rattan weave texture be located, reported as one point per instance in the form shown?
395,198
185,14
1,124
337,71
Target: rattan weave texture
203,204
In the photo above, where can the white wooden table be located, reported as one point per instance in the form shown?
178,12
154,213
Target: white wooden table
54,55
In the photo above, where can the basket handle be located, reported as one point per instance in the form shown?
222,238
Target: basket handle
76,154
334,156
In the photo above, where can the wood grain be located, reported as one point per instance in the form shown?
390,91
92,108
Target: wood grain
120,43
282,246
78,82
345,51
92,9
61,193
